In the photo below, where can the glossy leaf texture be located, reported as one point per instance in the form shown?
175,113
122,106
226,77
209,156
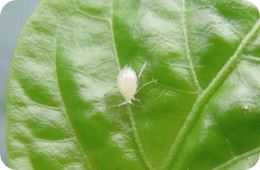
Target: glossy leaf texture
204,112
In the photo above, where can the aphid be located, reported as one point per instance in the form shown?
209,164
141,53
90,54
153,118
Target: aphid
127,83
245,108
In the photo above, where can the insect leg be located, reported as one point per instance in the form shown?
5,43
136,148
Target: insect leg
118,105
134,99
146,84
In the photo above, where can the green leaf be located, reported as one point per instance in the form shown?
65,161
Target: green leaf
203,113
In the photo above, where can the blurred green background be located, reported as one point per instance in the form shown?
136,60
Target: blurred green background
12,19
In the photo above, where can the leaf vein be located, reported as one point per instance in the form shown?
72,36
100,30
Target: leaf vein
64,111
129,110
113,37
86,14
187,49
251,58
204,97
137,138
236,159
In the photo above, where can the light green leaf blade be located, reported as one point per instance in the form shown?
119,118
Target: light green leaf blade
202,114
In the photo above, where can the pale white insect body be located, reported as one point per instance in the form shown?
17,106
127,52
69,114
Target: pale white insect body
127,83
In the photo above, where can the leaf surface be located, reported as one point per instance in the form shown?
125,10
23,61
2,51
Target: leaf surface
203,113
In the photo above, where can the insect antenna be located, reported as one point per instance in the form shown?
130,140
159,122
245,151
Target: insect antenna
140,73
